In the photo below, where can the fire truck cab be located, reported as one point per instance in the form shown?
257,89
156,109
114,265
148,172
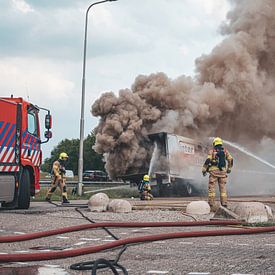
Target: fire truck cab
20,151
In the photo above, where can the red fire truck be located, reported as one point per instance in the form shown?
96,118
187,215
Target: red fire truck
20,151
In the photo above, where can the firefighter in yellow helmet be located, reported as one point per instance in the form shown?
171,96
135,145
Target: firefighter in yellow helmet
58,178
145,188
218,164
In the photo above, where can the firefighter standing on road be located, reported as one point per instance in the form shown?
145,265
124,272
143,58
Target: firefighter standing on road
217,168
144,189
58,178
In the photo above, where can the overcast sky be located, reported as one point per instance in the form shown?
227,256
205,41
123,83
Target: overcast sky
41,49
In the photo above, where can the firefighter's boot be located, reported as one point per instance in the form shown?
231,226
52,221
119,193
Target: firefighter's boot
49,194
149,196
142,197
48,199
65,200
64,195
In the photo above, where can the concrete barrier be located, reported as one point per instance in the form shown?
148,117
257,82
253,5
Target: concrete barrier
251,212
198,208
98,202
119,206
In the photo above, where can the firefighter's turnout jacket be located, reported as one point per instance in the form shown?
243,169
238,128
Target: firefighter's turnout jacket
214,161
58,170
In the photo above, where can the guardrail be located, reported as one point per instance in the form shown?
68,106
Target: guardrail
86,183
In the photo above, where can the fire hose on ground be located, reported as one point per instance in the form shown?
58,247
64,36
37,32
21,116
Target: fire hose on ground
122,242
36,235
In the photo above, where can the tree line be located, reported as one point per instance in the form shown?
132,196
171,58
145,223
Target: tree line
91,159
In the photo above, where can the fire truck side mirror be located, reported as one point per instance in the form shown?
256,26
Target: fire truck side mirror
48,134
48,121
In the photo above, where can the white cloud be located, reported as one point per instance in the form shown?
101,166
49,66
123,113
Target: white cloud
39,80
22,6
214,7
184,50
101,16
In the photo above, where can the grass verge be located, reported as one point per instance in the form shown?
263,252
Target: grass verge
124,192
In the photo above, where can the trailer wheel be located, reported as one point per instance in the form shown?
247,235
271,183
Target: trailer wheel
24,190
189,189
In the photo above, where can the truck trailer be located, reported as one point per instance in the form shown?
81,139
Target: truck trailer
175,168
20,151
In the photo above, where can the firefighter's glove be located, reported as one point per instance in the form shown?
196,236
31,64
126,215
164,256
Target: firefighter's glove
204,173
228,171
62,170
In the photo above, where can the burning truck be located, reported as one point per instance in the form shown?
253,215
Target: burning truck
176,162
175,166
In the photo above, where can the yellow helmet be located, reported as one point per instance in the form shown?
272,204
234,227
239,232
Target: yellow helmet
146,178
217,141
63,156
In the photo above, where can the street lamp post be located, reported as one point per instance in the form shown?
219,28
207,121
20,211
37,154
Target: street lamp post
80,160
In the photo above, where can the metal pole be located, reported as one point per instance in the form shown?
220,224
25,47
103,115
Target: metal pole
80,160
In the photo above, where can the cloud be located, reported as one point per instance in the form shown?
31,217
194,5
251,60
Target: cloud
56,29
35,79
213,7
22,6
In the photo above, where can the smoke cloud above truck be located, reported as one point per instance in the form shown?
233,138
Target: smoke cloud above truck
232,95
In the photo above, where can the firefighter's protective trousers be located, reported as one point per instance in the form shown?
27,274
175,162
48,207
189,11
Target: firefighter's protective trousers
58,182
215,177
146,195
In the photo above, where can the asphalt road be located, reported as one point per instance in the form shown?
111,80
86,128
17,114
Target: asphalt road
246,254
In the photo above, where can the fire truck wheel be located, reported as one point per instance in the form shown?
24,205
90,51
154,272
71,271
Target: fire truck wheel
24,190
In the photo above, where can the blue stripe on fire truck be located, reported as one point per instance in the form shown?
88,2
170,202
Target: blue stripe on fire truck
36,145
4,131
7,137
11,141
30,147
10,133
28,138
24,134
